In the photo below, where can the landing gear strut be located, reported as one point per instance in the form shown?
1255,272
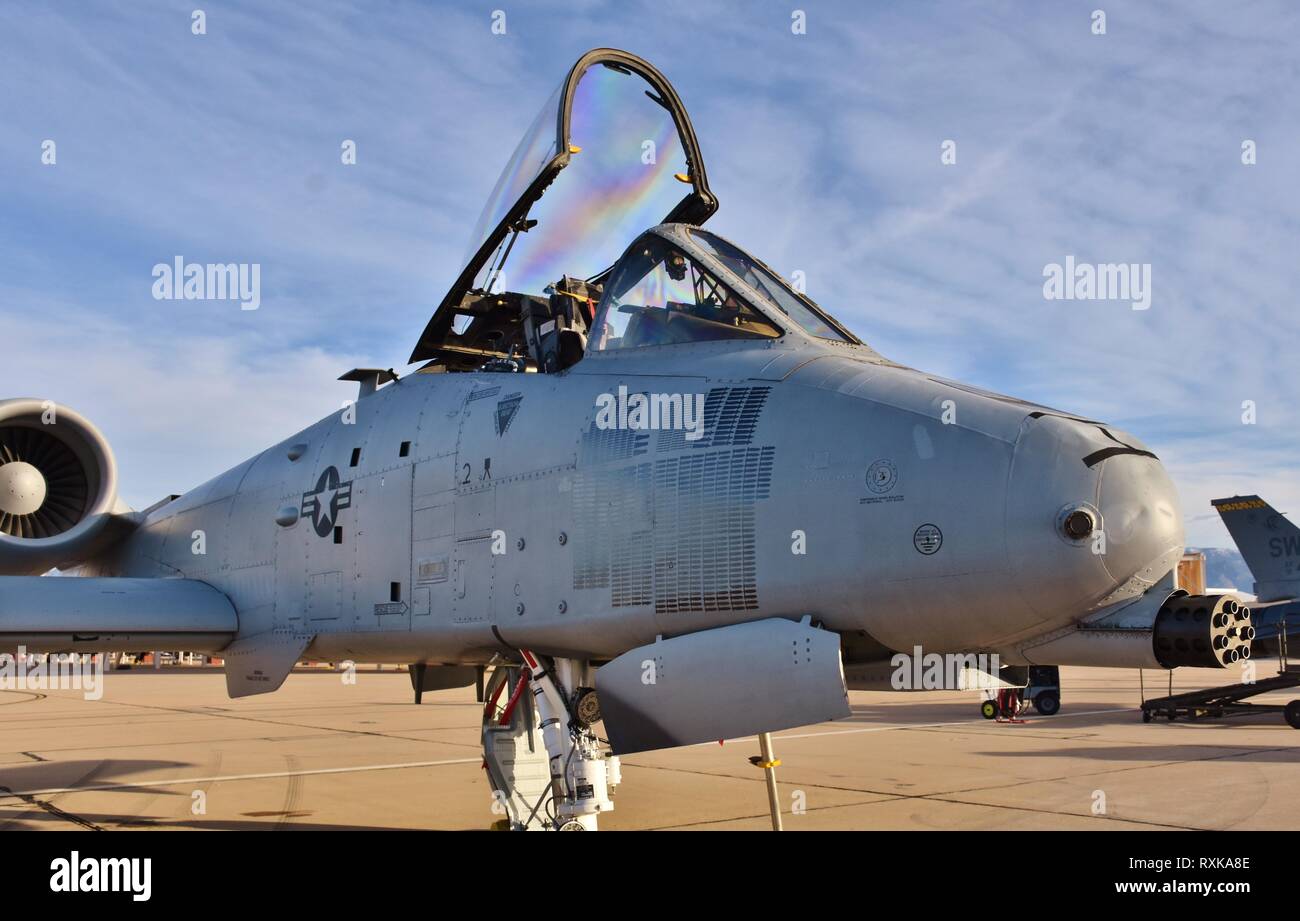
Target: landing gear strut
545,764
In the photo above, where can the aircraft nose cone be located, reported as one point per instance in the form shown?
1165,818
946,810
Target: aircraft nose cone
1092,517
1142,521
22,488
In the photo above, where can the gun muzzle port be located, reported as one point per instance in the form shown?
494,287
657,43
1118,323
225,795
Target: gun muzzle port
1202,631
1078,524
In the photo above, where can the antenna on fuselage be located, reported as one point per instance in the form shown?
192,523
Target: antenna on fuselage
369,379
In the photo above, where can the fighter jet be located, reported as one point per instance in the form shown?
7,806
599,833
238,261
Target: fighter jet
1270,545
641,477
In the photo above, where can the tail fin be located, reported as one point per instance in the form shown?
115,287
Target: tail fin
1269,543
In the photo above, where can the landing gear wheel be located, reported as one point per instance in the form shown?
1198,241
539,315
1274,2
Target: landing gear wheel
1047,703
1171,715
1292,714
989,710
587,706
1146,716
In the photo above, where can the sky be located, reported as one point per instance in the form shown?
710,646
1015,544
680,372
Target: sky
823,129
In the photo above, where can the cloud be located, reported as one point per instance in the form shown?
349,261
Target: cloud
175,412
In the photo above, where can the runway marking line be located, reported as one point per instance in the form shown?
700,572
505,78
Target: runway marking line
891,727
418,764
221,778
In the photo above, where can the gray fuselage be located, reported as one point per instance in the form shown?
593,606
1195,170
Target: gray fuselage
887,504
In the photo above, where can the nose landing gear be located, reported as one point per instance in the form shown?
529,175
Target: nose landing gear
543,760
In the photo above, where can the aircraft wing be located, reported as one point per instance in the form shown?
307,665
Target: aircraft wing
75,614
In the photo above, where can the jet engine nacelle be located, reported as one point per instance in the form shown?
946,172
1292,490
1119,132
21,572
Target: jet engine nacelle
58,486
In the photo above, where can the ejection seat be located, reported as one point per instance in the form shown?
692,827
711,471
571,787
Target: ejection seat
555,327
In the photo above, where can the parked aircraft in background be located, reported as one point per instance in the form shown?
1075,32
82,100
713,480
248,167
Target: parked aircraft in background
1269,542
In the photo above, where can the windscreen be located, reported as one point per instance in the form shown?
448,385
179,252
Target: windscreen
657,295
772,288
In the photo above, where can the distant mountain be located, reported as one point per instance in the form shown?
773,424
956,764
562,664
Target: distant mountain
1226,569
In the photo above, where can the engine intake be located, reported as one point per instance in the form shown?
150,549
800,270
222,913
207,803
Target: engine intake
1202,631
58,486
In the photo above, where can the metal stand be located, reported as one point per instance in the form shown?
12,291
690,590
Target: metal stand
1229,700
418,671
769,764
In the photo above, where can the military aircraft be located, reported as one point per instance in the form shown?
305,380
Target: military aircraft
1270,545
637,474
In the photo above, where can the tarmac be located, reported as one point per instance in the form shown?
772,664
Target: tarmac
168,750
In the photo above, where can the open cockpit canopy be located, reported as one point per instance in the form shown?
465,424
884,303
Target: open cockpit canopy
611,153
